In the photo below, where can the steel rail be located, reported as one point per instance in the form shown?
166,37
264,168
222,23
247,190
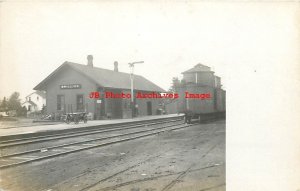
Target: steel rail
185,172
90,147
82,142
93,128
77,134
120,185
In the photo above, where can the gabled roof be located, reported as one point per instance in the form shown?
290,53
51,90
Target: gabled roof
104,78
40,93
30,102
198,68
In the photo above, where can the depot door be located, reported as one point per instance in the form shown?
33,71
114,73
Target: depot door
149,108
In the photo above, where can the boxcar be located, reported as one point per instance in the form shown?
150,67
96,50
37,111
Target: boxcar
203,102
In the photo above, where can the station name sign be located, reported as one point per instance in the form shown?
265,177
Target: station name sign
70,86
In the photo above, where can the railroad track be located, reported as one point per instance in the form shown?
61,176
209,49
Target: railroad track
172,183
25,157
145,126
118,186
31,145
185,172
89,131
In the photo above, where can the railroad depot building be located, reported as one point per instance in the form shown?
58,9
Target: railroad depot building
69,87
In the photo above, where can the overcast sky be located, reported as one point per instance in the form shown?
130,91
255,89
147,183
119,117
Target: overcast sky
169,37
37,37
254,47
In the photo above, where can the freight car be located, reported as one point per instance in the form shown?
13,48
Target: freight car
200,94
200,101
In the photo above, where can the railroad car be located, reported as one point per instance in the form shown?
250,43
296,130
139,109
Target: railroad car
201,102
200,94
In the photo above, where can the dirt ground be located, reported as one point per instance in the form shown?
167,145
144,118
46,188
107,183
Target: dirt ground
192,158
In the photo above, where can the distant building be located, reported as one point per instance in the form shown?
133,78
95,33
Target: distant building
35,101
68,90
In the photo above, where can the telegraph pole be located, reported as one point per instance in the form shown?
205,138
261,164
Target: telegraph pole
131,66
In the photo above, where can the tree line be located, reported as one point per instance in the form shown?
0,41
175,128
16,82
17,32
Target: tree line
13,104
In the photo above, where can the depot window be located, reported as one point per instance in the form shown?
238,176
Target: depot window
79,102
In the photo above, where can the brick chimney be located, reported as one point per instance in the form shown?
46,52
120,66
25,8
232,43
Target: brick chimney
116,66
90,60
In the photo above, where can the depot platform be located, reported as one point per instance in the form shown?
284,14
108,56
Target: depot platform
38,130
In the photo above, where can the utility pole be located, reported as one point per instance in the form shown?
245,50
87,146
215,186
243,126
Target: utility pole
131,66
